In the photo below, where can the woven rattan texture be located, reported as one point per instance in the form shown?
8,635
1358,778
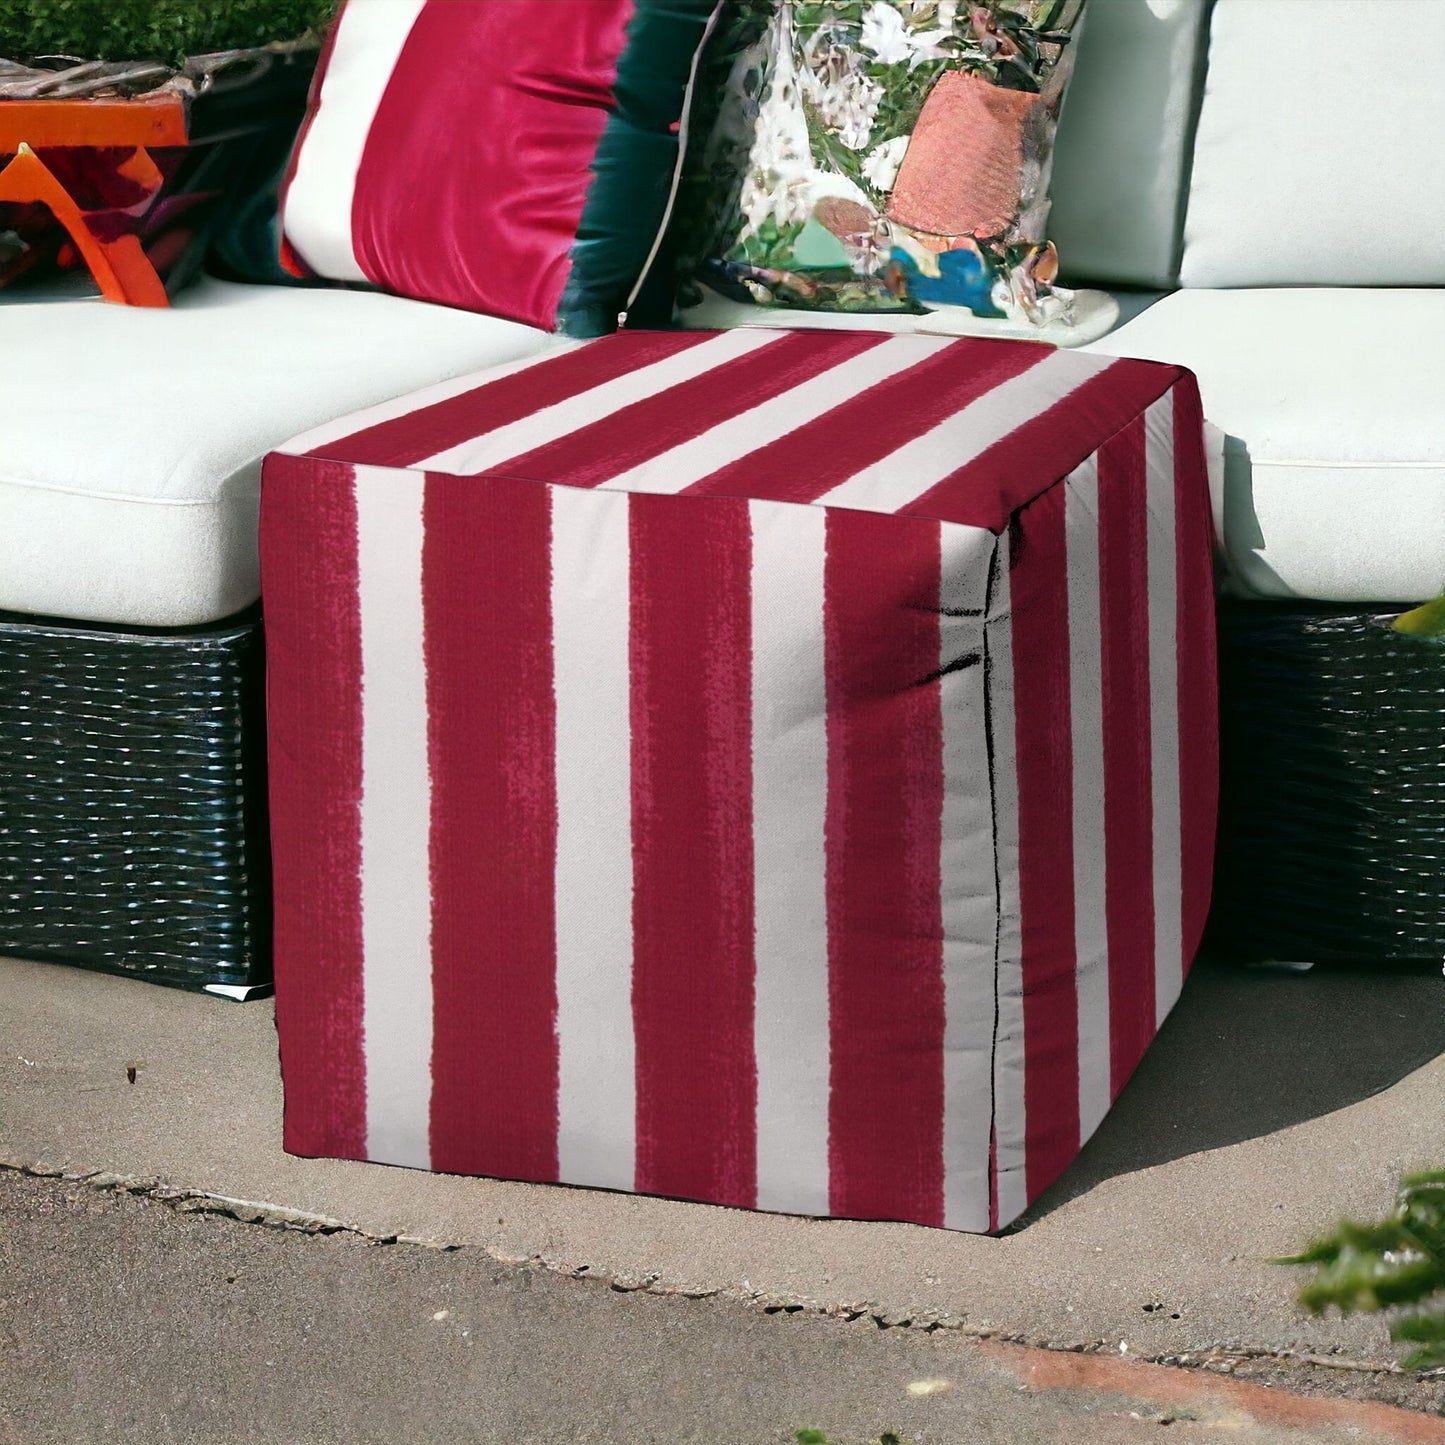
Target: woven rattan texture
132,786
1332,827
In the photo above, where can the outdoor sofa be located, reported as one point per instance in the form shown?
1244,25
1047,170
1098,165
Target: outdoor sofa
1263,206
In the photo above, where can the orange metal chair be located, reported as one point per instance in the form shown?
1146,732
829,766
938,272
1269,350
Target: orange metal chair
119,265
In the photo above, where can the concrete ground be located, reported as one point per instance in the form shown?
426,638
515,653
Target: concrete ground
123,1320
1270,1105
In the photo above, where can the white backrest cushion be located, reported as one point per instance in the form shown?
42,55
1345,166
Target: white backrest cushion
1122,148
1319,157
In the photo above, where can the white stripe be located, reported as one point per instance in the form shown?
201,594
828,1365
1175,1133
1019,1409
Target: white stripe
760,426
1008,1075
395,819
790,800
590,615
598,403
926,460
316,219
1164,664
1086,708
968,879
413,401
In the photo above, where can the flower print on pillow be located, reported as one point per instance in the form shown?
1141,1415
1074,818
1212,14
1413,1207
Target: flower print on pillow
896,156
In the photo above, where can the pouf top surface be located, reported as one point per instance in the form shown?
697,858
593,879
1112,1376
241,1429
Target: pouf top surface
956,429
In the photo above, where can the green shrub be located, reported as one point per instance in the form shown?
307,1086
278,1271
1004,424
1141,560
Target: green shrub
1396,1263
163,30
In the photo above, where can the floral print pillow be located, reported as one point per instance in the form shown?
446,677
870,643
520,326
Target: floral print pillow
883,155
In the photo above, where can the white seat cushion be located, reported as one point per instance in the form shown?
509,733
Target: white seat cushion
130,440
1334,478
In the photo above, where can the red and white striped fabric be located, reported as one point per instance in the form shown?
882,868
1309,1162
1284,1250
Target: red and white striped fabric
761,767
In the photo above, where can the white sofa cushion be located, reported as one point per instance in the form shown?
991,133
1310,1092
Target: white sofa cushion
131,439
1123,141
1318,156
1334,478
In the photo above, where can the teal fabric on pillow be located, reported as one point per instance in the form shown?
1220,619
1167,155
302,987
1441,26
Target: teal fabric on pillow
638,152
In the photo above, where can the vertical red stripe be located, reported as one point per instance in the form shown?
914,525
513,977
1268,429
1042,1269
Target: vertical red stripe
492,743
1128,798
883,834
313,689
676,414
1043,722
1198,685
692,842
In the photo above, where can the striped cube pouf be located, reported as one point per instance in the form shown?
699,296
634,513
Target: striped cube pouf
769,768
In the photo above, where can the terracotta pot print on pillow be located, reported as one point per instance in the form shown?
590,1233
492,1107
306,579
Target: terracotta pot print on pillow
884,155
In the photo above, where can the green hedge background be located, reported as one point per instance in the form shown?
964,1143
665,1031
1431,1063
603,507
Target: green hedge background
164,30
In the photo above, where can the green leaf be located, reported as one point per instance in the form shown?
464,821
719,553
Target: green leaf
1423,1360
1389,1264
1422,1329
1426,1178
810,1437
1425,621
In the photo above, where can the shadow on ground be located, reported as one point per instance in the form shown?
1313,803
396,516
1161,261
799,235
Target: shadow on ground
1248,1051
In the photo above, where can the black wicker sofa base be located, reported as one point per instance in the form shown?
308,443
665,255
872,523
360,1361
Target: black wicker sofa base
1332,771
132,801
133,808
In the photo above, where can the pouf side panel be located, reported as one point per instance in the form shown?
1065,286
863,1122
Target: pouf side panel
308,552
970,875
1198,669
1101,694
874,868
1132,913
1046,1005
535,997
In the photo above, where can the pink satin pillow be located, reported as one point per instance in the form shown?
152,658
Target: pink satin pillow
515,157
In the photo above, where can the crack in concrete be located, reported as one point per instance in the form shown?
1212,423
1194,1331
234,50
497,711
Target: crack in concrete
199,1201
1214,1358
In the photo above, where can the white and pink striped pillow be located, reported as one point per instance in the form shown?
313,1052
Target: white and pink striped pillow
515,157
